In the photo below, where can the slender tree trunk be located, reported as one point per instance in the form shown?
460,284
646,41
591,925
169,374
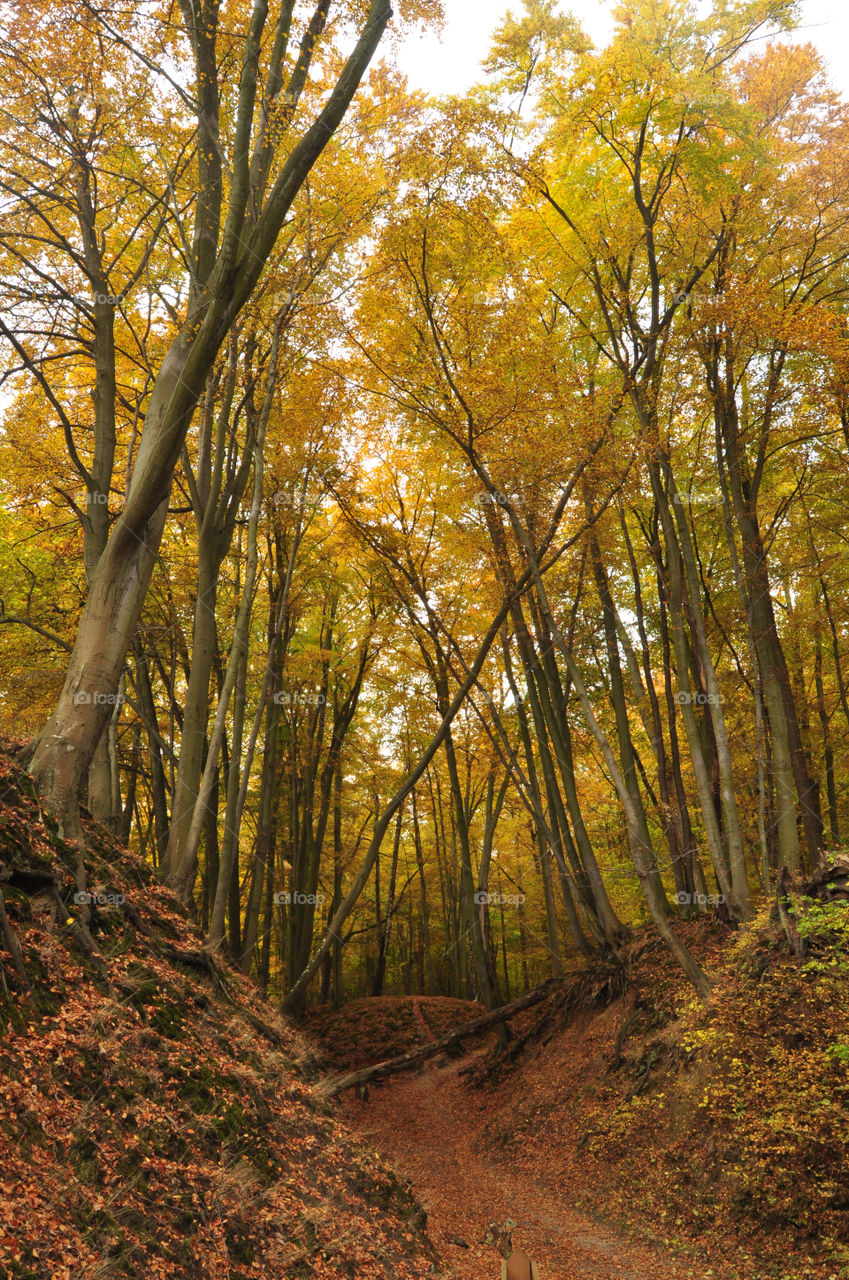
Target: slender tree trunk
643,856
196,710
679,543
119,585
158,785
789,766
828,751
548,831
685,701
677,819
384,926
620,709
541,681
181,875
338,985
298,991
425,969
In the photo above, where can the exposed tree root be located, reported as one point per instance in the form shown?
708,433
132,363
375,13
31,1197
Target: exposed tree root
35,881
829,882
11,944
78,929
786,914
198,959
595,987
628,1024
134,916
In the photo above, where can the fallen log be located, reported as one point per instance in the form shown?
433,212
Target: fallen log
595,987
405,1061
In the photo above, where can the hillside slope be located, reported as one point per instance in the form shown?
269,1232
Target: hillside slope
716,1133
348,1038
154,1116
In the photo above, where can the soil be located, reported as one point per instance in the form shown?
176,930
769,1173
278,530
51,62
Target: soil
430,1126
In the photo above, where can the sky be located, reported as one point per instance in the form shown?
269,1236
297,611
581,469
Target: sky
453,64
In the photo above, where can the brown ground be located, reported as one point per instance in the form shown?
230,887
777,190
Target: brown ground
430,1126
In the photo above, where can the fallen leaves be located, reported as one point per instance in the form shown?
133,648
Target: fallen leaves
161,1134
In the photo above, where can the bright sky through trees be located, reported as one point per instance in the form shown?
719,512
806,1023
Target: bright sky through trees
452,64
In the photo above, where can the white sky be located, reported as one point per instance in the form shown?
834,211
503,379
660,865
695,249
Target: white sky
451,65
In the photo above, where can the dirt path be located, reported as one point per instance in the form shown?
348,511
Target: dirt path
427,1034
429,1126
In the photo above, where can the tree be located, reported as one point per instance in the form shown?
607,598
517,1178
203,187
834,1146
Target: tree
232,237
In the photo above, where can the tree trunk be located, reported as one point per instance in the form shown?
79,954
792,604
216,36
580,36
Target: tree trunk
298,991
643,856
828,751
543,685
66,746
384,926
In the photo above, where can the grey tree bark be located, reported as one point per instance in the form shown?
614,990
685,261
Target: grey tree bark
228,270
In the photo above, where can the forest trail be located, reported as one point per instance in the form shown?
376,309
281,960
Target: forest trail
430,1126
427,1034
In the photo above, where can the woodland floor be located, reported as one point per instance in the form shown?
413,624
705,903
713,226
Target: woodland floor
159,1121
430,1127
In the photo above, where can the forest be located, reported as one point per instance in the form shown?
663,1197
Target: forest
423,528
